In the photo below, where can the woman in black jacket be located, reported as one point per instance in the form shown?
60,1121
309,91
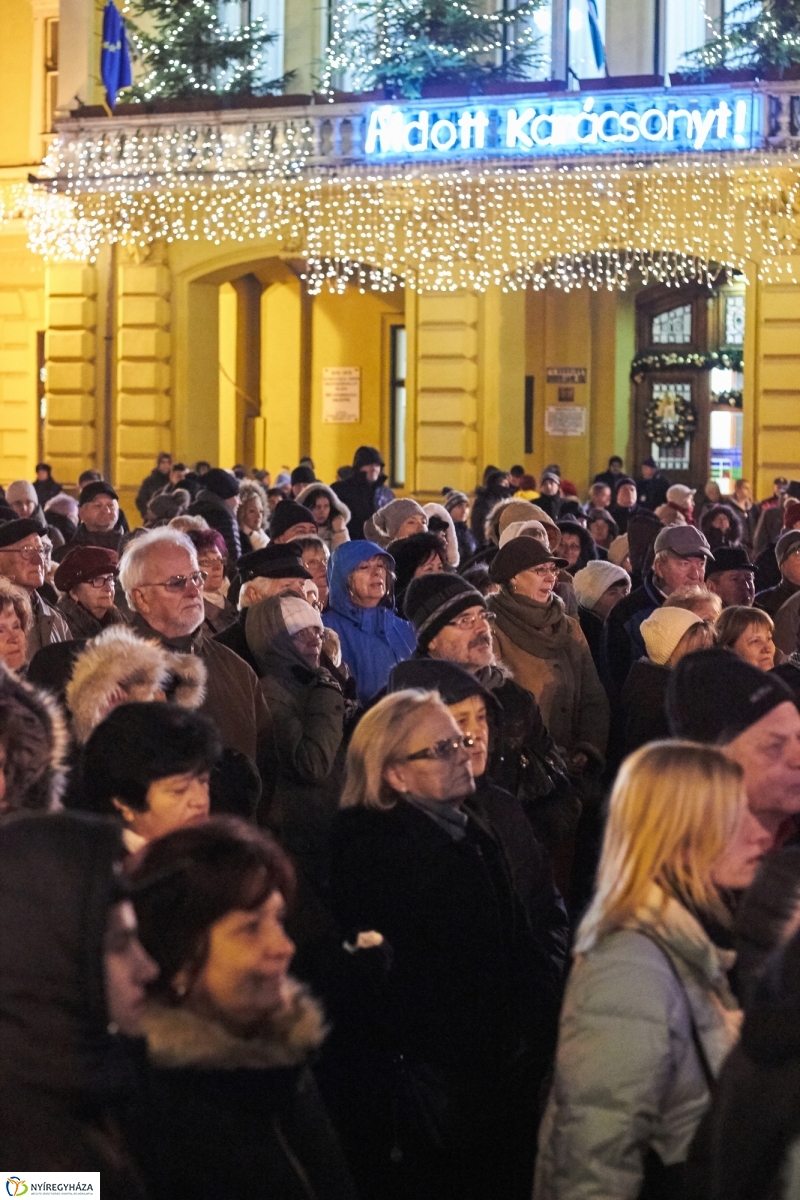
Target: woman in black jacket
232,1109
439,1067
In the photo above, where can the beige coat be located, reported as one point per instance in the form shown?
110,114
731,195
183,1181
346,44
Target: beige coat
565,684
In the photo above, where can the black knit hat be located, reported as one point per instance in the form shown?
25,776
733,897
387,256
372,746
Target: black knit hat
273,562
98,488
303,474
367,456
620,481
15,531
518,555
221,483
432,601
713,696
451,681
411,552
729,558
287,514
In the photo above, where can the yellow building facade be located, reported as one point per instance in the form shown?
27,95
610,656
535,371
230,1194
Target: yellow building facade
222,348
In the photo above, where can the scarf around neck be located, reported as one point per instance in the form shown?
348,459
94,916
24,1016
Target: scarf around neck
541,630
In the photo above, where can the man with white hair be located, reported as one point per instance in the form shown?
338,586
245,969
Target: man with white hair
164,587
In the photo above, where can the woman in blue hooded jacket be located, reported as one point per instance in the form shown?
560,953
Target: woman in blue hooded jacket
374,639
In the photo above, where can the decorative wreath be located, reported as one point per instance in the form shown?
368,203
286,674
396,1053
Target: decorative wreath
670,420
645,364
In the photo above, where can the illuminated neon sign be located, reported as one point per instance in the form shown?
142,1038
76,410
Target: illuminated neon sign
668,122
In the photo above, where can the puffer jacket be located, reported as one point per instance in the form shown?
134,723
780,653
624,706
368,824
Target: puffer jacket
628,1077
373,639
335,533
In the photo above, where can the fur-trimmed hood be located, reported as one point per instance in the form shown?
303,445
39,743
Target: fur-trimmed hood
36,740
338,506
178,1037
438,510
120,667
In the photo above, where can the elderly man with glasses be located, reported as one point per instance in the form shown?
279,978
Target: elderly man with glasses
164,587
453,623
22,560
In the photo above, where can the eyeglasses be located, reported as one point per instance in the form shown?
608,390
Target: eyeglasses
29,553
101,581
543,572
178,583
470,620
442,751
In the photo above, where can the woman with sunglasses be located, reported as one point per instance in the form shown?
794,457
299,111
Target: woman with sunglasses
546,650
431,1082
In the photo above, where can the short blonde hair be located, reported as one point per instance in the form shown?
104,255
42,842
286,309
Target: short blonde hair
737,619
674,808
379,740
17,598
692,597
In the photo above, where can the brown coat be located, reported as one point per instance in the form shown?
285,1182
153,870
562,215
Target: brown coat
563,681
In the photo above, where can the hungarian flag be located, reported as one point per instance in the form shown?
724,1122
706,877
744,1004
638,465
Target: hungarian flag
115,59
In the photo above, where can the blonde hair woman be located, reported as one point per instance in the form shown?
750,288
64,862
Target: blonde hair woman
648,1016
463,1021
748,632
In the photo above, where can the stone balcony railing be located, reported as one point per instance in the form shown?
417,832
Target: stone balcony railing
275,137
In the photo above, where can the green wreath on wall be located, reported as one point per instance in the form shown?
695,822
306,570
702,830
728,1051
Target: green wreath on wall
670,421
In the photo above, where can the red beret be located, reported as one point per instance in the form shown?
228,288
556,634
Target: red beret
791,513
82,563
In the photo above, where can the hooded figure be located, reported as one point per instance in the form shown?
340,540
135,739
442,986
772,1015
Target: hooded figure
308,708
495,488
34,738
120,668
64,1073
447,531
361,493
712,524
219,487
334,530
588,548
373,639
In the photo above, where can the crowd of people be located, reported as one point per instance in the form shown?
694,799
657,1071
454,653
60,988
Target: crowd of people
359,848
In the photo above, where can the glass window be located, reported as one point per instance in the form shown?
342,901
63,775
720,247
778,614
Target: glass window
397,404
734,320
540,27
671,458
687,26
582,52
50,71
726,435
673,327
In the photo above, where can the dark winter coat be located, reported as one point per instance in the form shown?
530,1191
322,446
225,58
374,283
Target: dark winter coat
46,489
771,599
362,498
592,629
62,1075
643,697
81,622
715,537
467,545
111,540
306,769
486,498
151,484
623,515
623,642
462,1028
748,1144
221,517
652,492
768,573
372,639
235,1117
218,619
749,518
233,698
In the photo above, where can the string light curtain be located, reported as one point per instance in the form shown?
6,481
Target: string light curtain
429,228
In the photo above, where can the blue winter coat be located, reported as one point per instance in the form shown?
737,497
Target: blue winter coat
373,639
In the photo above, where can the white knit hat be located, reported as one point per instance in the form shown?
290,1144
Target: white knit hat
298,614
524,529
594,579
20,489
663,629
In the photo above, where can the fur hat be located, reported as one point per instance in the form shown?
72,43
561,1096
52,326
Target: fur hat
117,667
34,735
338,507
441,511
167,505
384,525
663,629
594,579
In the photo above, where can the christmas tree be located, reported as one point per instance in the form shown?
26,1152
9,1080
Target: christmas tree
187,52
764,37
401,45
